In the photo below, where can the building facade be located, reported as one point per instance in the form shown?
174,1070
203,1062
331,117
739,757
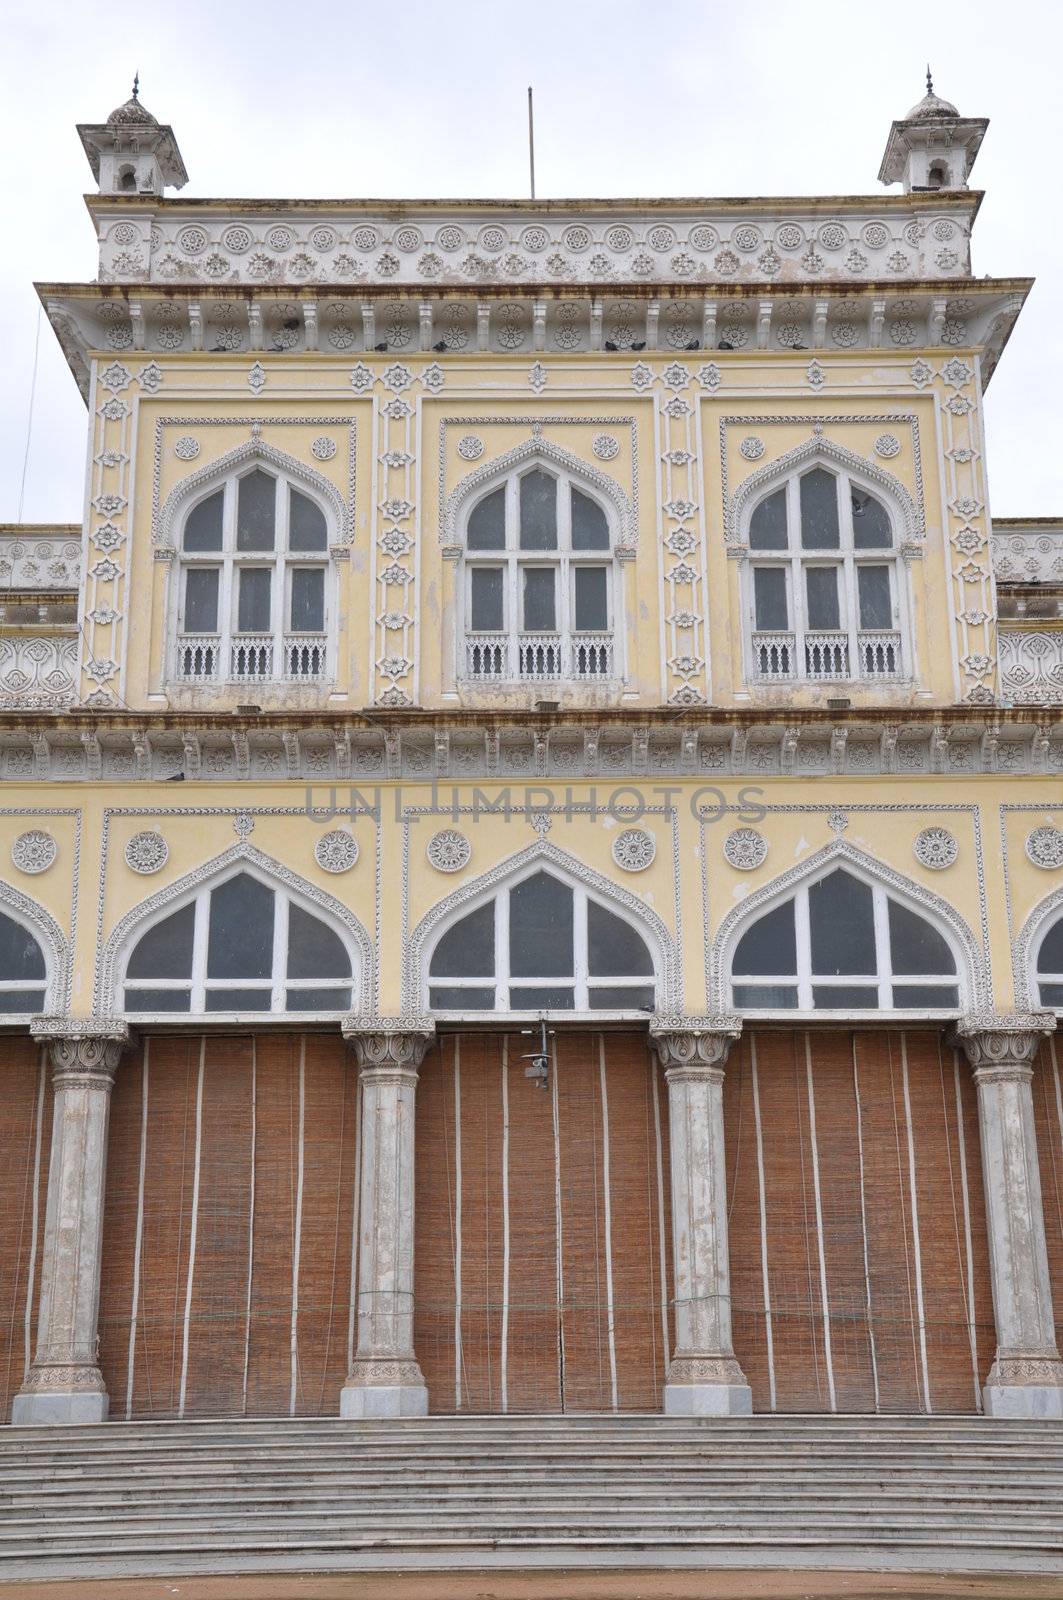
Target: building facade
533,874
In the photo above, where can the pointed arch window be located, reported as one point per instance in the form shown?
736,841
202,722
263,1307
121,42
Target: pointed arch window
824,593
539,584
841,944
1049,966
254,604
23,972
239,946
541,945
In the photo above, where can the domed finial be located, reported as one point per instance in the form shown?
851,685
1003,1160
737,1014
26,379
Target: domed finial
136,84
929,80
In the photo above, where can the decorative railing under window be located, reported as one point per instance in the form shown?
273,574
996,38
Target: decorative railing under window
252,658
534,657
826,656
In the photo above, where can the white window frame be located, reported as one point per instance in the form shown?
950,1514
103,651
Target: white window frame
1037,976
198,983
564,561
795,561
883,979
281,562
581,980
21,985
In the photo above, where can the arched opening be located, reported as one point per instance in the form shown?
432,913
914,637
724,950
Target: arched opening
127,179
23,969
938,176
1048,965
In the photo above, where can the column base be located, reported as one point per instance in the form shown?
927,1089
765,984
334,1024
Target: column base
383,1401
1031,1401
54,1408
708,1400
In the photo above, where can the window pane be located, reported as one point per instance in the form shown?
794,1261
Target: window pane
467,950
842,926
765,996
821,589
253,607
239,1000
201,600
769,598
487,522
15,1002
485,599
256,511
308,600
769,946
876,606
461,999
916,945
540,615
828,997
871,523
241,929
203,525
1052,994
317,999
590,525
538,511
643,997
767,525
165,951
540,928
614,948
927,996
592,598
819,511
1050,958
542,1000
20,954
314,950
158,1000
307,528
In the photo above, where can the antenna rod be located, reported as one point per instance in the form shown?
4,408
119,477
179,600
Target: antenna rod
531,142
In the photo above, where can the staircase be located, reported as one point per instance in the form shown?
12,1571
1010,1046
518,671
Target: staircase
947,1494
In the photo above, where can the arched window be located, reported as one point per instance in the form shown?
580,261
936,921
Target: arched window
840,944
823,589
23,974
239,945
1049,966
541,945
539,586
254,602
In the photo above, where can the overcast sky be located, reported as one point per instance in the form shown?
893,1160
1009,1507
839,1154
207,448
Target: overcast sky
686,97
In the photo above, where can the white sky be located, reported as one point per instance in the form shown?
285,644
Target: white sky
416,98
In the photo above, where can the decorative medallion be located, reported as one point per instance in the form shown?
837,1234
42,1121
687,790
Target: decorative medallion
537,376
34,851
470,447
634,849
147,852
1044,847
837,822
936,849
336,851
887,445
745,849
751,448
605,447
243,825
449,850
186,448
323,448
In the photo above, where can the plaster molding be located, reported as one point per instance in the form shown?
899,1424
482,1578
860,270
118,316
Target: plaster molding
252,452
528,452
820,448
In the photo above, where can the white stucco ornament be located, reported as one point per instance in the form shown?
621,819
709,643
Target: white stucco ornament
745,849
1044,847
336,851
147,852
449,850
34,851
634,849
936,848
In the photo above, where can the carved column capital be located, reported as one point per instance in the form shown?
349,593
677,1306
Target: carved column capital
84,1051
695,1045
389,1044
1002,1044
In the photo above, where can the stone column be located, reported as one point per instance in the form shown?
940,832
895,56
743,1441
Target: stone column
385,1380
64,1383
704,1379
1026,1378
